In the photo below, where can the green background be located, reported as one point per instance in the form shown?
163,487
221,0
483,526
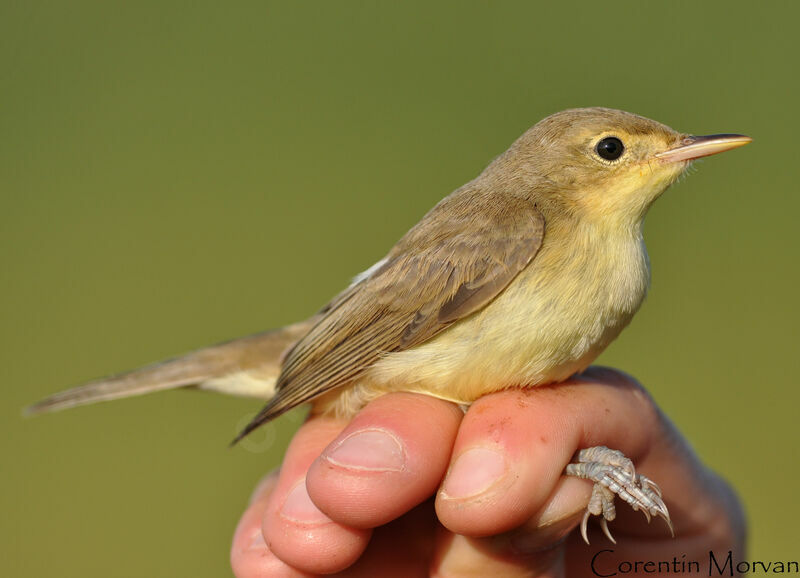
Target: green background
177,174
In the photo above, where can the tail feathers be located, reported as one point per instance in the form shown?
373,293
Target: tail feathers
166,375
238,367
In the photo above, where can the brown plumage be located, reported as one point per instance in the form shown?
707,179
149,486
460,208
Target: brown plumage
258,354
451,264
519,278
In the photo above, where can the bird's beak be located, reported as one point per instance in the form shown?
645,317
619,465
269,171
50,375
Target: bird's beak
694,147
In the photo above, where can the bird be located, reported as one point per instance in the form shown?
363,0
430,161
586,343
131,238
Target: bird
519,278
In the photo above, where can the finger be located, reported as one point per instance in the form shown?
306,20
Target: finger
294,529
534,549
633,423
512,448
400,549
389,459
703,508
250,557
460,555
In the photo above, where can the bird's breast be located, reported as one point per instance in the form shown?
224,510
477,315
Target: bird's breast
552,321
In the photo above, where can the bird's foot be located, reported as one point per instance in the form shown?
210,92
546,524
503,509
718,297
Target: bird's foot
614,474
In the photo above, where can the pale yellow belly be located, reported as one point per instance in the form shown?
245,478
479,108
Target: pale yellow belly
542,329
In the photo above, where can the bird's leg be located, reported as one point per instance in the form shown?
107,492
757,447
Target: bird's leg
614,475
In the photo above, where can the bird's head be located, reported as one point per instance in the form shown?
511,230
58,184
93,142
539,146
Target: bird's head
606,165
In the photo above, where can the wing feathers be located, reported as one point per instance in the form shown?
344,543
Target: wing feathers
452,264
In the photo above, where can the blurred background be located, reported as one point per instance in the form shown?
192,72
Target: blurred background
177,174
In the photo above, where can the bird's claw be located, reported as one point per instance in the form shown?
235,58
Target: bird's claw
614,475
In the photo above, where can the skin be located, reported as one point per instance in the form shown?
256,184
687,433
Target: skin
381,516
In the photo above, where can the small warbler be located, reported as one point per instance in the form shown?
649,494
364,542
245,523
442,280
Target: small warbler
519,278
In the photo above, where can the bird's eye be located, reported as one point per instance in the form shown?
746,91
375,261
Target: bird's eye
610,148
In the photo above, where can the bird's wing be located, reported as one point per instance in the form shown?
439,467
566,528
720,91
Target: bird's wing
453,263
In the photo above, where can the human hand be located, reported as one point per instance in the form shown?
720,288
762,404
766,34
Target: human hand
504,507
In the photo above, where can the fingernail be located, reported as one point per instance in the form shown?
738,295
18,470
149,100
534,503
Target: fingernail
257,543
542,538
568,501
475,471
264,487
298,507
373,450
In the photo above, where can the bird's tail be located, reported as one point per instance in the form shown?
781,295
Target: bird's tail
248,366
